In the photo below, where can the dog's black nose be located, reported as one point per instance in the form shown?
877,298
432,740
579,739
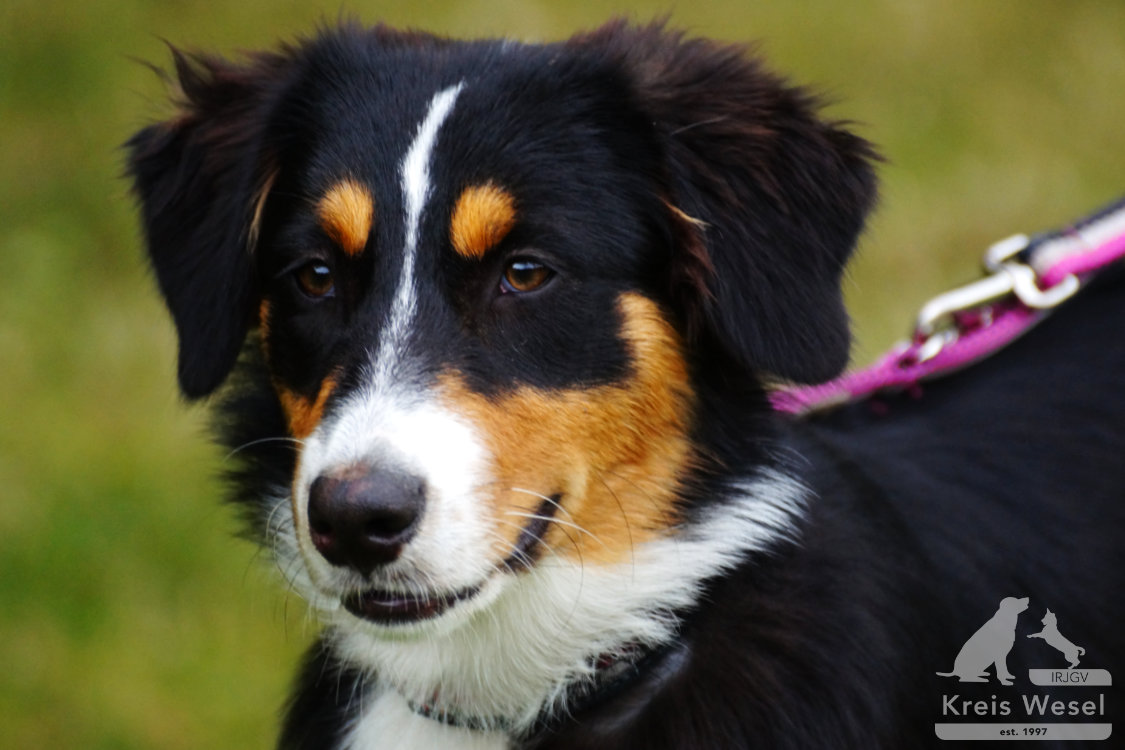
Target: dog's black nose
362,516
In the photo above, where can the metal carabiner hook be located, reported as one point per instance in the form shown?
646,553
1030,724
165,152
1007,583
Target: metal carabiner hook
1025,284
943,306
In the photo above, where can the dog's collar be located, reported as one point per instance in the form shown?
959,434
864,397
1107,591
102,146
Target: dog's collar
612,673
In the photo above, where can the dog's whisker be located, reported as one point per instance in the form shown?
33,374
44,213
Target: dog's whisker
624,516
275,527
555,522
561,524
260,441
637,491
544,498
698,124
564,529
290,573
511,548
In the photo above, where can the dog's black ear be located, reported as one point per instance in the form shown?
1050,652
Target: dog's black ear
765,198
202,178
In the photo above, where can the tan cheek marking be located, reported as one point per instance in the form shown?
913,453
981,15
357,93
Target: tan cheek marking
616,452
346,214
483,216
303,413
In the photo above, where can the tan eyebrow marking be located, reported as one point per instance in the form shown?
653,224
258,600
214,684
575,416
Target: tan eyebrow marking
346,213
483,216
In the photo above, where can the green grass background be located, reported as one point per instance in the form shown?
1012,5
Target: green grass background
130,616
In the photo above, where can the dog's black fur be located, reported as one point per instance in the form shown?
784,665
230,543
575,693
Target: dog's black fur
1003,479
681,170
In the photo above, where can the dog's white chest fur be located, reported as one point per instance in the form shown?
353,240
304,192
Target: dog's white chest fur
389,722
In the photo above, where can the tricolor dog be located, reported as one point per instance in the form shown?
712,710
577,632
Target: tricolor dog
491,328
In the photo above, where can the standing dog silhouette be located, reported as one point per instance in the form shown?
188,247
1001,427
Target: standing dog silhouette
990,645
1050,633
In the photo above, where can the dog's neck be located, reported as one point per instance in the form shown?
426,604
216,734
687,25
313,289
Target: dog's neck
611,674
541,645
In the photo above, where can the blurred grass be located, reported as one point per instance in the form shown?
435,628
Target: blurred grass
130,617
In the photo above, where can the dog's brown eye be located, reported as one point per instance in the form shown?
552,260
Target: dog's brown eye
315,279
524,276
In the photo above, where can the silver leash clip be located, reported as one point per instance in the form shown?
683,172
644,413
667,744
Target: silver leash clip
938,323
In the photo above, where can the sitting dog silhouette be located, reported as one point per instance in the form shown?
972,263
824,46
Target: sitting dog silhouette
1050,633
990,645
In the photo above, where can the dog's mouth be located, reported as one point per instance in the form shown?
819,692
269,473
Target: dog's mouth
396,608
385,607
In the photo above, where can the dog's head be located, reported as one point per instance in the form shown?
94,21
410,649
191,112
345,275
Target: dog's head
494,285
1011,606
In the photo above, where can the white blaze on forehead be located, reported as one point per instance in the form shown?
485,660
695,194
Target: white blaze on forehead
416,165
415,175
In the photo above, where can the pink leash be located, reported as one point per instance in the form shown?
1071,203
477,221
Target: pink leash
1027,278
